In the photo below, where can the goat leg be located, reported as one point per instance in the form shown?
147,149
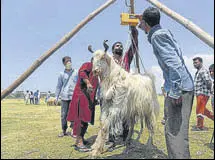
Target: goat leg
98,146
128,139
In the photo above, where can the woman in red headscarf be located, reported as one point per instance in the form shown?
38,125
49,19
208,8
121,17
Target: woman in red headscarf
82,106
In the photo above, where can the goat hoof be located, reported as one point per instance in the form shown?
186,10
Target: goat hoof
149,146
93,153
93,147
110,149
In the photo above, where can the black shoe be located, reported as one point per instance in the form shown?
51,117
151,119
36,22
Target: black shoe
63,134
199,129
86,142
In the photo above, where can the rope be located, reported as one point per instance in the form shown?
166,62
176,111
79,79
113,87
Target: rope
127,47
137,49
128,41
136,69
132,40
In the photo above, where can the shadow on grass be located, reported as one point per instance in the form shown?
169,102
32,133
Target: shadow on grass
91,140
140,151
210,145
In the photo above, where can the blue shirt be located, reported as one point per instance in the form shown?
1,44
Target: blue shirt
36,94
66,84
168,53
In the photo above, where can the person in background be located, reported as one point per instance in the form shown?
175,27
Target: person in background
211,70
35,97
178,83
27,96
48,95
203,86
65,89
38,97
31,97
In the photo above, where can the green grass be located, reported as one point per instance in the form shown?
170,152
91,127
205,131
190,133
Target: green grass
30,131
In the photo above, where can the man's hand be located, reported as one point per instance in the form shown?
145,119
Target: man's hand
209,85
139,16
55,101
89,87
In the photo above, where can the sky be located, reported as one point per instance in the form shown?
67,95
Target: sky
29,28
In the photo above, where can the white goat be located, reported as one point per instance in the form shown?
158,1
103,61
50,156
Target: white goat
126,97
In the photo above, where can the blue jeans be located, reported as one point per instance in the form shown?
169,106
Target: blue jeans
35,100
177,126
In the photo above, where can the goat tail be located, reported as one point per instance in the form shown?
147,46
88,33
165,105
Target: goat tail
154,94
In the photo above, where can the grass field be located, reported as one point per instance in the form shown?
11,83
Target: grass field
30,131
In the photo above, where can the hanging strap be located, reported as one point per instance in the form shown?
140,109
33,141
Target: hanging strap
137,51
66,81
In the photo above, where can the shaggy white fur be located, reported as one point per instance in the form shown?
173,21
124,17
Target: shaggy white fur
126,97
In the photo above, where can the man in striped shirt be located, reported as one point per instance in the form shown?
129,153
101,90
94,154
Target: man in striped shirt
211,70
202,83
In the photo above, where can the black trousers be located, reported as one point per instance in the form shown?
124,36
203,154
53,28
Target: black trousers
84,126
64,112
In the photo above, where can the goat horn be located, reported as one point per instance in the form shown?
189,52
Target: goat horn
90,49
105,45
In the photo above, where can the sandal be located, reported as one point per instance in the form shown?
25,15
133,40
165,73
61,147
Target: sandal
82,148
